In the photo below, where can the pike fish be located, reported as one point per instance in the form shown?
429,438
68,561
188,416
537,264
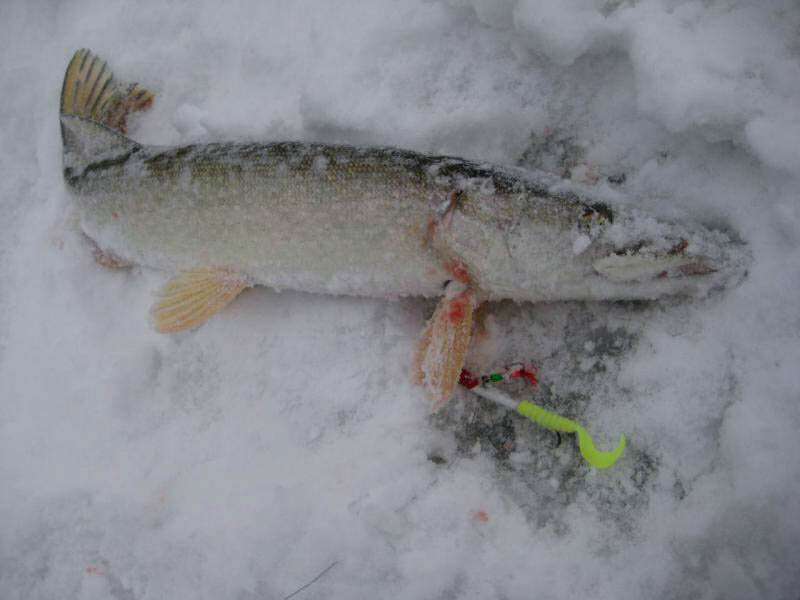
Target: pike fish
365,221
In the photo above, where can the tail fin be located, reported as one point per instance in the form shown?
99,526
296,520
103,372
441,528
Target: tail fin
94,110
90,91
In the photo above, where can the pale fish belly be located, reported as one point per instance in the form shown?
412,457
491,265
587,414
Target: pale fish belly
317,231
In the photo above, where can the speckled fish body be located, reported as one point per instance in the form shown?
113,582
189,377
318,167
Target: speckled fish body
327,219
374,221
369,221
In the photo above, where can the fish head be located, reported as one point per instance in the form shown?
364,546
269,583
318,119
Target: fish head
556,246
654,257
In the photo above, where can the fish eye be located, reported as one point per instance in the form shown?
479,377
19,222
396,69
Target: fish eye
603,212
596,214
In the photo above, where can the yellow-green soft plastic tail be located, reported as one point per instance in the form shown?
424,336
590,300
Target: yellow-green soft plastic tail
597,458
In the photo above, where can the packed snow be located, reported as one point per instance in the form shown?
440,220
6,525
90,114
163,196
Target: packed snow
282,444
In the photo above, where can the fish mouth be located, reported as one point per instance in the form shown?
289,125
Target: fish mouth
641,261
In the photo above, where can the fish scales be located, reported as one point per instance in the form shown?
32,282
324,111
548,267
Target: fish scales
371,221
332,219
314,217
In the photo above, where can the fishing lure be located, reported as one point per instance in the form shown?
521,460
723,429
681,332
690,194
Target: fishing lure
549,420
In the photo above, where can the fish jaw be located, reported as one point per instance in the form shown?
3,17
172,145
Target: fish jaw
572,251
623,268
640,251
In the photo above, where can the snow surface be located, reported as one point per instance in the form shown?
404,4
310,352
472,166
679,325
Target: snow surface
243,459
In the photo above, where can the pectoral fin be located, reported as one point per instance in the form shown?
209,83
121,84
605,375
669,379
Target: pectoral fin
443,347
192,297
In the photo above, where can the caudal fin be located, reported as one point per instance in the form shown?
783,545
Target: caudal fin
90,91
